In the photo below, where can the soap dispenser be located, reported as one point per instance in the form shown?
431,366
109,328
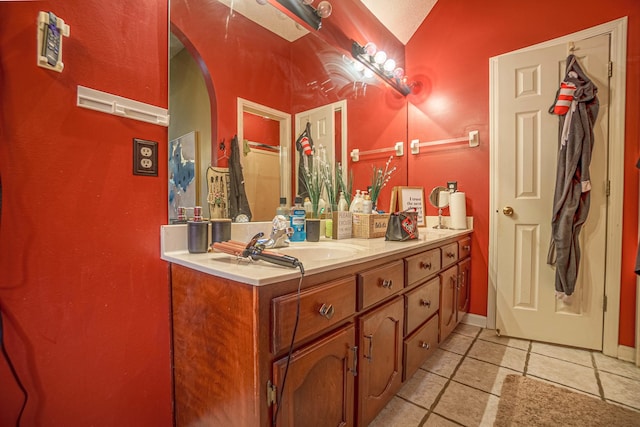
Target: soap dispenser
356,203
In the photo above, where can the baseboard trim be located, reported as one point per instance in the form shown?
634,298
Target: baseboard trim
628,354
474,320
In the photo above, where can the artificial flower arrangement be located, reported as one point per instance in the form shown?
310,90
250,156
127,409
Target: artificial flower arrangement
379,179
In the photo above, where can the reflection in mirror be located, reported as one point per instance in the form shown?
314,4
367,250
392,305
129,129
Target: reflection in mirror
439,198
191,112
265,134
294,74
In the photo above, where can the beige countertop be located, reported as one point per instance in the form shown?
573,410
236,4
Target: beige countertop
316,257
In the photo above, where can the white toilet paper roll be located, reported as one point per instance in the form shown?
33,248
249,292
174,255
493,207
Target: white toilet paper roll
458,210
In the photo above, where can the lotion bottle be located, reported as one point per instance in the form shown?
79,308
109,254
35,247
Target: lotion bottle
367,205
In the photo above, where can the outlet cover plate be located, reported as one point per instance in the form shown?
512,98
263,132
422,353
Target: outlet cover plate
145,157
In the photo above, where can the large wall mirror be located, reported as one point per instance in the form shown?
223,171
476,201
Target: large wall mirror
229,71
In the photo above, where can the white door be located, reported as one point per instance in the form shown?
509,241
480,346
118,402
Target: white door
525,174
323,131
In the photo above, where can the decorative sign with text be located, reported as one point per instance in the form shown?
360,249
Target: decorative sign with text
409,198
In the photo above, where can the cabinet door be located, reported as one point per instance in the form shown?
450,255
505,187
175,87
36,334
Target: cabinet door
448,285
380,367
319,383
463,288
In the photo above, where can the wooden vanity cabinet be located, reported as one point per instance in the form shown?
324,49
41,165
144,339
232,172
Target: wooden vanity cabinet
455,285
448,303
361,331
380,367
319,388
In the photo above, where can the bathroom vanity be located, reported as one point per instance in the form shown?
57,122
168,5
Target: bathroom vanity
368,315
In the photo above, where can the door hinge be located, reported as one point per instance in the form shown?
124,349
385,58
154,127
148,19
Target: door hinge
610,68
271,393
608,188
604,304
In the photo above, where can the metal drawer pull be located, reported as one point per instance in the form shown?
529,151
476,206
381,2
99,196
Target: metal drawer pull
425,265
424,345
387,283
451,254
354,369
370,356
425,303
327,311
466,247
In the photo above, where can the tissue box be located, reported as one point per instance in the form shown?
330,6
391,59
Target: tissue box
369,226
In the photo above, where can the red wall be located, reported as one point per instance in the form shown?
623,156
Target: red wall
450,56
83,291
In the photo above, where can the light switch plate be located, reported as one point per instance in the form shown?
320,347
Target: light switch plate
145,157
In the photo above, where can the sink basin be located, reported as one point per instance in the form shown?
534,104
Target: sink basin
320,251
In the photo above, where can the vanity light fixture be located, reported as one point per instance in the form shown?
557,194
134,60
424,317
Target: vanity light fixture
377,62
304,10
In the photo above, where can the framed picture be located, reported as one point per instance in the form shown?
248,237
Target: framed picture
183,170
412,197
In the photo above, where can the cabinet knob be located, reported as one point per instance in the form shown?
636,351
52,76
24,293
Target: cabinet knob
425,345
425,265
425,303
387,283
467,247
450,254
327,311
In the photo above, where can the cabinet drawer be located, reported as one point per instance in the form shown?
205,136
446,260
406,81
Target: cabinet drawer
320,307
419,346
464,247
422,265
422,303
379,283
449,254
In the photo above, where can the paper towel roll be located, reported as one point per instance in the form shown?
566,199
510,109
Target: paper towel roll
458,211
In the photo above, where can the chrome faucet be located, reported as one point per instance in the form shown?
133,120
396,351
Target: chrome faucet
280,233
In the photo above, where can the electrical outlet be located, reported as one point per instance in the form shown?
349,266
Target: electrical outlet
452,186
145,157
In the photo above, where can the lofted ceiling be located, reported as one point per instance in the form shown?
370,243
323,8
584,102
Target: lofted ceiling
401,17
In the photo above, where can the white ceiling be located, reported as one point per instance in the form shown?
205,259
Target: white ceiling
401,17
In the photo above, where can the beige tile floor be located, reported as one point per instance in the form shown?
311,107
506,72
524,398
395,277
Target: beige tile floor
460,384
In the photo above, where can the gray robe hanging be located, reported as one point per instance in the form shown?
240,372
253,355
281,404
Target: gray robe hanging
238,202
572,192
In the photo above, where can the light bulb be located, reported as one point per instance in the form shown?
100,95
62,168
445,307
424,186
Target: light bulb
307,2
358,66
261,2
370,48
389,65
324,9
398,73
380,57
368,73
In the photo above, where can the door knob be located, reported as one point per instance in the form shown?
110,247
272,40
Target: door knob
507,210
